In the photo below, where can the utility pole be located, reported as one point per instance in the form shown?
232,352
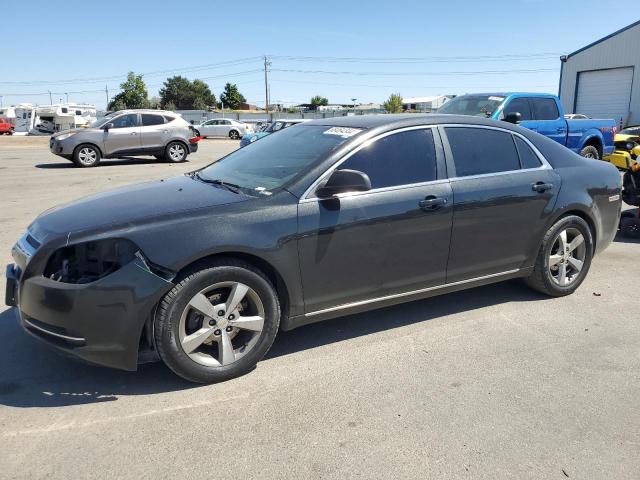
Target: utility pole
106,90
267,62
1,97
67,95
50,100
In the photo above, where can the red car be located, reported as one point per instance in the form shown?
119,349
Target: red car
6,127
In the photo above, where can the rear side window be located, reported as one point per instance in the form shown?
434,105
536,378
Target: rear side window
478,151
169,118
149,119
400,159
519,105
544,109
528,159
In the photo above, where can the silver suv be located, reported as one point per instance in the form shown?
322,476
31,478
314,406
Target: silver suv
163,134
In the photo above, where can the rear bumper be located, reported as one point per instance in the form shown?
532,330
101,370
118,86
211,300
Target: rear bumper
100,322
619,158
193,147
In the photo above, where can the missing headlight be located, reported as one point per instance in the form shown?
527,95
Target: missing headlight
90,261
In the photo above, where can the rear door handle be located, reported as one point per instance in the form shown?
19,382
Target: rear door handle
133,133
432,203
541,187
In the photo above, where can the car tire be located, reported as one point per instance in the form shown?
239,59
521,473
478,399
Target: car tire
590,151
175,152
228,347
630,227
234,135
558,274
86,155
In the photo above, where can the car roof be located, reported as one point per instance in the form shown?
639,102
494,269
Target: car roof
146,110
403,119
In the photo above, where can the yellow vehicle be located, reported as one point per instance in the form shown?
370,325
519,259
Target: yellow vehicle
627,146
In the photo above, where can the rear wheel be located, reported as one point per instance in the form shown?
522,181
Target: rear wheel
217,323
175,152
590,151
86,156
564,257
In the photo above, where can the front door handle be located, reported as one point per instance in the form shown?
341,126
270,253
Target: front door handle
560,129
133,133
541,187
432,203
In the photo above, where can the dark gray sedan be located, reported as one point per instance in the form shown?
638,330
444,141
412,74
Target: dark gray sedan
325,219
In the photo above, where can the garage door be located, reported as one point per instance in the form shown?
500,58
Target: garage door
605,93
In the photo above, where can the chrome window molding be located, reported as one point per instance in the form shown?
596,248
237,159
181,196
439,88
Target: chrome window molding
309,191
307,196
407,294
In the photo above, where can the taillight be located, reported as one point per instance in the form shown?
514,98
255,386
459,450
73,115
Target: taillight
195,139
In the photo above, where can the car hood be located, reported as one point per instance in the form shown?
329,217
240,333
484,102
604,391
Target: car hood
131,206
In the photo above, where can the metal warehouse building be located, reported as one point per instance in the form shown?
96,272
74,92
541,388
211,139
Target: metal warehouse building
602,80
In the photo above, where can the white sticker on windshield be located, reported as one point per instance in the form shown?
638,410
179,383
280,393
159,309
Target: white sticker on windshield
344,132
496,99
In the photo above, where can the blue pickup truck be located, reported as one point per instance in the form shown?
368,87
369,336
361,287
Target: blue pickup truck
541,113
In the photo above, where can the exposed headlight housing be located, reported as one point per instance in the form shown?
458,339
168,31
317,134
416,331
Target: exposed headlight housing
90,261
64,136
630,145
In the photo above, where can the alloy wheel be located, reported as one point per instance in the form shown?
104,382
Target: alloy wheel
87,155
567,256
221,324
176,152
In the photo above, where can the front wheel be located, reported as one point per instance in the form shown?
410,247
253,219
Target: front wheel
217,323
564,257
234,135
86,156
175,152
590,152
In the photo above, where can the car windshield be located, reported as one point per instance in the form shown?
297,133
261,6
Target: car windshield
104,120
275,160
475,105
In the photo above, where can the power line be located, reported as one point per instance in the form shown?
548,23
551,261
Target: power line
405,74
448,59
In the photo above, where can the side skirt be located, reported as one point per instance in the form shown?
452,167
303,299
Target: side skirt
395,299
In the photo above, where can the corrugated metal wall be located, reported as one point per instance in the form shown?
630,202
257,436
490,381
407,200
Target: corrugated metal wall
621,50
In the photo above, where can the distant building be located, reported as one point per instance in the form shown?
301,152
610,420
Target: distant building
247,106
425,104
598,80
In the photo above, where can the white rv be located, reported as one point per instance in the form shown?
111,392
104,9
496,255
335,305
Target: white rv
55,118
25,118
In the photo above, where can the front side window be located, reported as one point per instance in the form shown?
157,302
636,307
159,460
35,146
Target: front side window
477,151
126,121
544,109
151,119
476,105
520,105
400,159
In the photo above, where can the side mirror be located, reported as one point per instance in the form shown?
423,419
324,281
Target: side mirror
513,117
342,181
107,127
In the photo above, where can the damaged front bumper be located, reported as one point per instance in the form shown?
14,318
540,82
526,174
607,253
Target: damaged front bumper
100,322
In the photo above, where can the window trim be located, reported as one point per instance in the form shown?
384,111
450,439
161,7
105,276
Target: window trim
451,168
307,196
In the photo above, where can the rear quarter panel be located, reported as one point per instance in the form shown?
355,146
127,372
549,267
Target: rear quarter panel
581,131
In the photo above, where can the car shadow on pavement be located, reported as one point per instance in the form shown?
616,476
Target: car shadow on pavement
352,326
622,239
103,163
33,375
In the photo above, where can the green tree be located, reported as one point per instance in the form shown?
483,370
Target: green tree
318,101
393,103
183,94
231,97
133,94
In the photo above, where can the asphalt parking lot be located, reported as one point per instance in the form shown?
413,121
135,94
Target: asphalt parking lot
496,382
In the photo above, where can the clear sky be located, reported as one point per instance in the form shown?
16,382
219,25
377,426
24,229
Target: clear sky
338,49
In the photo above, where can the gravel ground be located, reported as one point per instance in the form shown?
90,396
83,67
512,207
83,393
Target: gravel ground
496,382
